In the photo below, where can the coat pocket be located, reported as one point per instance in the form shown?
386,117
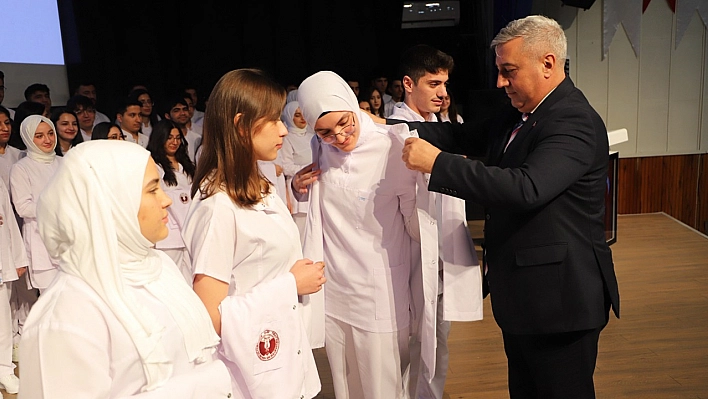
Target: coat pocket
541,254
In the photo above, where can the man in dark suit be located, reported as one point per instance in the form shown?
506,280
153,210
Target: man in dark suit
550,271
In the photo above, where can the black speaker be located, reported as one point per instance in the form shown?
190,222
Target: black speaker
585,4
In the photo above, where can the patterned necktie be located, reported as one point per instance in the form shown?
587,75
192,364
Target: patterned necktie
517,127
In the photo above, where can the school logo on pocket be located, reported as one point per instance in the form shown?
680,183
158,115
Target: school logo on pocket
268,345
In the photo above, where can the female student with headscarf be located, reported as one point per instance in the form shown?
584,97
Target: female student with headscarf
118,320
296,154
245,247
169,151
28,177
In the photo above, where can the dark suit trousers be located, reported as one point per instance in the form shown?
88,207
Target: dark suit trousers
552,366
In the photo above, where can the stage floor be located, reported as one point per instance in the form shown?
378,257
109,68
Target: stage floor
658,349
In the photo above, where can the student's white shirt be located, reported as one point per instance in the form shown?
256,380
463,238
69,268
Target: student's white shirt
86,136
178,210
194,140
73,346
146,130
253,249
386,98
358,209
142,139
389,106
27,180
198,117
446,118
296,154
9,158
100,117
12,248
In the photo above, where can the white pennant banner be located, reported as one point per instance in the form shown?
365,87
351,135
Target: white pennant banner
685,10
626,12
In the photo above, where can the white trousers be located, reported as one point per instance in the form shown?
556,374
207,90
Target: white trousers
6,365
418,374
21,300
366,365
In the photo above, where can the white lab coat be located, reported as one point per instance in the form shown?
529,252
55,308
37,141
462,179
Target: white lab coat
27,180
296,154
194,140
66,353
9,158
267,168
12,250
12,256
253,250
447,246
173,245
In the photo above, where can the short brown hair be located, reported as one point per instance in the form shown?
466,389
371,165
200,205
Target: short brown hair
227,161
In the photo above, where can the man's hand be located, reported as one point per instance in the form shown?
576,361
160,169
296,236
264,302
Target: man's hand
419,155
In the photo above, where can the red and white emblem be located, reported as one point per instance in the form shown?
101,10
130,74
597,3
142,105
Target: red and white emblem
184,198
268,345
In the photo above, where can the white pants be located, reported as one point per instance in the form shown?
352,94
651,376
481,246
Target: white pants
22,298
6,365
181,258
418,374
366,365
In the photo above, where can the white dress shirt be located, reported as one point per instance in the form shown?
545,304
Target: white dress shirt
142,139
358,209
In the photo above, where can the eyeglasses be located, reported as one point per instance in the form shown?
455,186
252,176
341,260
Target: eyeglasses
148,103
87,111
346,131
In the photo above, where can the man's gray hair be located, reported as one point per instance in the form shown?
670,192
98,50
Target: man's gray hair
540,35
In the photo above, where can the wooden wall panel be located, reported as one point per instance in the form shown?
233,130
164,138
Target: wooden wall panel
702,197
676,185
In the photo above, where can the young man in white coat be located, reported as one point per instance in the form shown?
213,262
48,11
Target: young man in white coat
425,76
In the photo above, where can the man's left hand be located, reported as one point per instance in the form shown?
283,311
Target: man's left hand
419,155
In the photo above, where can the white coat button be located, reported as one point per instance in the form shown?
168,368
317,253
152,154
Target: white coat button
294,307
298,351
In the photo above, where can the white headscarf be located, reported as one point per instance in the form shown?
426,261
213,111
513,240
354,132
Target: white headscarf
327,92
94,232
287,118
27,131
292,96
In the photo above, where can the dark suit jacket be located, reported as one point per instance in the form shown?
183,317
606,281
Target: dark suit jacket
549,267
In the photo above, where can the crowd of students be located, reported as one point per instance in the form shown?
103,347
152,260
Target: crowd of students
229,237
187,256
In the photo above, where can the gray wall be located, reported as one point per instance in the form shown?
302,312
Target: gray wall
661,96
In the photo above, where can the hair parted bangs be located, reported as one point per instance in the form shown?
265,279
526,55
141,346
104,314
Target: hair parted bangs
240,103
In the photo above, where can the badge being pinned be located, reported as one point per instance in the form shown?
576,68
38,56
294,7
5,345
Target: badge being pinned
268,345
